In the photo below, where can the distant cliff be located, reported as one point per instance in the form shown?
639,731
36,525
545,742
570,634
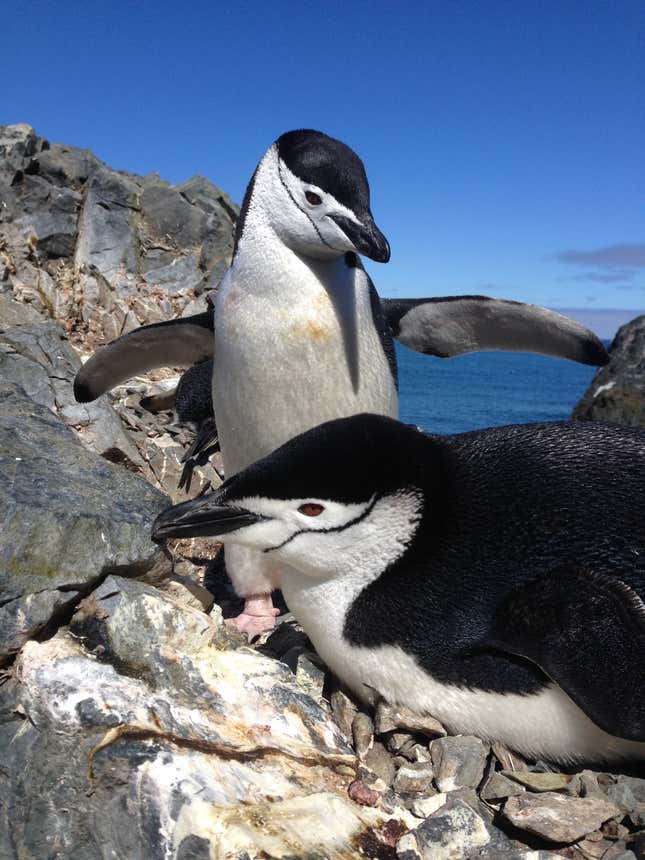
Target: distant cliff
617,391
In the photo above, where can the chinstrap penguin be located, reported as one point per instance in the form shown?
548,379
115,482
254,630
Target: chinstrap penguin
300,334
494,579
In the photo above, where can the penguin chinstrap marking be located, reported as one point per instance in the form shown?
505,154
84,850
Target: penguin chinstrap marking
300,334
494,579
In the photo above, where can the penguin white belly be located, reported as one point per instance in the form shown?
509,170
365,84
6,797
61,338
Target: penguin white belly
292,354
547,724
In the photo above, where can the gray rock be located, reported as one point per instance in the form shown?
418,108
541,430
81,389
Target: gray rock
454,831
497,787
38,357
64,165
390,718
379,761
49,214
107,229
558,818
414,778
362,733
344,710
458,762
69,517
617,391
18,143
540,781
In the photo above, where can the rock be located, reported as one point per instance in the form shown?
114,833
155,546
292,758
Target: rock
508,760
362,733
458,762
453,831
114,250
310,675
344,710
378,760
69,517
497,787
390,718
540,781
414,778
18,143
38,357
558,818
617,391
138,708
422,807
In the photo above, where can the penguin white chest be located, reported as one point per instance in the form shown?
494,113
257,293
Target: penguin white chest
293,353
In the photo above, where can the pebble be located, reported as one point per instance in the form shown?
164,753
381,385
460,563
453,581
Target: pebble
453,831
540,781
458,762
422,807
363,734
498,786
344,711
380,762
389,718
414,778
558,818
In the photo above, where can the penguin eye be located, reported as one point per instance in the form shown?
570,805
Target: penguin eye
312,198
311,509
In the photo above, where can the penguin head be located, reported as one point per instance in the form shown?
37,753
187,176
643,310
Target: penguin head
322,500
313,192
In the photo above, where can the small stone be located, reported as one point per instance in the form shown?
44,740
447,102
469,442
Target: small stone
594,849
540,781
558,818
361,793
362,733
344,711
637,815
400,742
453,831
380,762
458,762
414,778
422,807
389,718
498,786
622,795
508,760
419,753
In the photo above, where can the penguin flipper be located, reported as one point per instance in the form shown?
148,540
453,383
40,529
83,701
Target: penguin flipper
586,632
455,325
175,343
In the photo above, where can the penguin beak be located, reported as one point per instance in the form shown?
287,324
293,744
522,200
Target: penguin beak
201,517
365,236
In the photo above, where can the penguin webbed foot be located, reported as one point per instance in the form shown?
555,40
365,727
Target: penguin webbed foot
259,614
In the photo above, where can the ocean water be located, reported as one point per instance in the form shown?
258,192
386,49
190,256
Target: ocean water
487,389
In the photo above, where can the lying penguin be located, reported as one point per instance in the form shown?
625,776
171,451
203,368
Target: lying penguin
493,579
301,335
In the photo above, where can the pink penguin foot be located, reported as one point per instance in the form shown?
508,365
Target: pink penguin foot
258,615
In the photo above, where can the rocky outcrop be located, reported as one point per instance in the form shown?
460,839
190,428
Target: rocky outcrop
617,391
100,250
133,722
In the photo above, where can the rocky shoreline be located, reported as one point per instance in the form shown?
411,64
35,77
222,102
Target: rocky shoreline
133,722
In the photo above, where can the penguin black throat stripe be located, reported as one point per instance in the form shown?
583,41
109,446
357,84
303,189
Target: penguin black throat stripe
304,211
368,510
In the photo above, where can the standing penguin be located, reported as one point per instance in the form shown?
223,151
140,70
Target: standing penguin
301,335
493,579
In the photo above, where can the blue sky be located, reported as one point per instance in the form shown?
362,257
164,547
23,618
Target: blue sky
503,140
